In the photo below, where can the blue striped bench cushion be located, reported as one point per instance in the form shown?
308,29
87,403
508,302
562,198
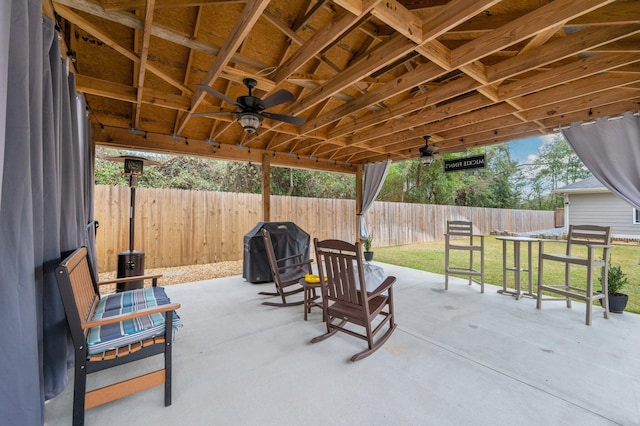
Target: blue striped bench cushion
112,336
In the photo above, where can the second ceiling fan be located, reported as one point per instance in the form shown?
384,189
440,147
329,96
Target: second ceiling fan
252,108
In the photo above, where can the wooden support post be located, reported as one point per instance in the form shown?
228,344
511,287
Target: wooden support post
359,189
266,188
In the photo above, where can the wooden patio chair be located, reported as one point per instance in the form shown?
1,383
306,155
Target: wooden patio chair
346,299
287,273
463,240
114,329
596,240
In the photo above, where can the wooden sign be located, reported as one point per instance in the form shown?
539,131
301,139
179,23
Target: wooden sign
474,162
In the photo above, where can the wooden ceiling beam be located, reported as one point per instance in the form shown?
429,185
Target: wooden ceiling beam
250,14
419,75
187,69
628,44
121,92
482,127
362,136
608,110
131,21
566,73
144,53
580,103
321,39
541,38
400,19
306,13
385,52
139,4
474,143
95,31
516,128
115,137
576,89
300,41
498,116
456,13
617,13
393,49
580,41
522,28
483,114
432,98
475,70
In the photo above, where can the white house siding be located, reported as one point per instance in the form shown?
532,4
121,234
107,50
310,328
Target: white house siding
604,209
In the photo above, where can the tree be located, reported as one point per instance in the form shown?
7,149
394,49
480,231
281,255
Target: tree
556,165
502,183
504,178
240,177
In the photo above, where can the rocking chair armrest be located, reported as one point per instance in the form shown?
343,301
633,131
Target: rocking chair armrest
154,279
386,284
296,265
130,315
293,256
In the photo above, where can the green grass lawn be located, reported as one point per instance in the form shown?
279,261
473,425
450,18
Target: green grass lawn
430,257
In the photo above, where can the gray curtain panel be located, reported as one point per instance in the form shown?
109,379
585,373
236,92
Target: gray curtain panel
610,148
5,28
45,158
21,390
374,176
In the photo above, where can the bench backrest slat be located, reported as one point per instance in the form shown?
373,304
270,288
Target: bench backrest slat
79,289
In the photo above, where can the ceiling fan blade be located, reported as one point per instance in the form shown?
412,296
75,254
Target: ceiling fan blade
213,114
280,97
217,94
297,121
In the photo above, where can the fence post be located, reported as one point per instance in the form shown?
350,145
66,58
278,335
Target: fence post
359,189
266,188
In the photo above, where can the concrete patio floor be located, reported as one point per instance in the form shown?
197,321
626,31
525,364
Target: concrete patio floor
458,357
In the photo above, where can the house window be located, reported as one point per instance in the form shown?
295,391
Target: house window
636,217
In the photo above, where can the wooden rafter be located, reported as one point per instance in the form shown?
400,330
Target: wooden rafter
370,77
245,22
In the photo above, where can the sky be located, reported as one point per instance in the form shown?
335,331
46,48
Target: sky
525,150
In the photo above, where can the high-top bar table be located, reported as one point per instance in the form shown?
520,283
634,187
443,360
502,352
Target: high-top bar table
517,267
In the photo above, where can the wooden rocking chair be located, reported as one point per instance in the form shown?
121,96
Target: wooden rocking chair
345,297
287,273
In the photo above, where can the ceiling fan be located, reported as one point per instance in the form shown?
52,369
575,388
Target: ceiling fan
427,153
252,108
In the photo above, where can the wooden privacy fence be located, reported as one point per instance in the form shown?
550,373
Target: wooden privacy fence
176,227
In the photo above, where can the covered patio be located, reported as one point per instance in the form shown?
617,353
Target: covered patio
457,357
338,86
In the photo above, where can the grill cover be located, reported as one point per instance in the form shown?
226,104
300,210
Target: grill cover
287,239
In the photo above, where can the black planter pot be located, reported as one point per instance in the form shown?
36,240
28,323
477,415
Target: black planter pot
617,302
368,256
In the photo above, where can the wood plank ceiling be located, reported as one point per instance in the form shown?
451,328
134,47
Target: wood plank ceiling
370,77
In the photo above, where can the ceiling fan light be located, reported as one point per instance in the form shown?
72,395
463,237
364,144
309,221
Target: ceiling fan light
426,159
426,152
249,121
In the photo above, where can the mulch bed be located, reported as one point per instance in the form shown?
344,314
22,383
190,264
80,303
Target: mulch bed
188,273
